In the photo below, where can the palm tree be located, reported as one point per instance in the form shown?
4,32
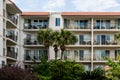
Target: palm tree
66,38
55,37
44,37
96,74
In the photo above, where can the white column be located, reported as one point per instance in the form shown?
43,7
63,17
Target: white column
92,25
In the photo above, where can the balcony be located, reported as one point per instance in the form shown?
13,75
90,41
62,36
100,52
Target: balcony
100,59
12,21
108,27
12,55
73,27
32,43
31,57
107,43
11,38
88,42
30,27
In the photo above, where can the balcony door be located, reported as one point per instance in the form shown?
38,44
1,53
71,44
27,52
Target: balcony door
117,23
102,24
84,55
101,54
83,39
83,24
103,39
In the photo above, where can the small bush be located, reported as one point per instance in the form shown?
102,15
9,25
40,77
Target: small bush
15,73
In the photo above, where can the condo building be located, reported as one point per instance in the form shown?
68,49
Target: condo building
95,32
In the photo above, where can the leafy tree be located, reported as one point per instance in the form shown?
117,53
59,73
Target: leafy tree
114,70
96,74
15,73
42,69
58,70
66,38
65,70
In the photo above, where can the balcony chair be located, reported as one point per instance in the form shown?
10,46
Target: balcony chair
35,42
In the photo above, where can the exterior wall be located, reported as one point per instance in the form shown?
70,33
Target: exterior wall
52,25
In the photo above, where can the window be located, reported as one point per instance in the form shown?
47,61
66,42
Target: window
57,21
35,24
83,24
101,54
27,24
117,53
76,23
66,54
102,24
66,23
84,39
3,63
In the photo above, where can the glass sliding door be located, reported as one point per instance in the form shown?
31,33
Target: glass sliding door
104,54
66,54
98,39
27,55
117,23
117,53
81,39
76,55
101,54
83,24
86,55
107,24
35,26
97,55
67,23
81,55
97,24
103,39
76,24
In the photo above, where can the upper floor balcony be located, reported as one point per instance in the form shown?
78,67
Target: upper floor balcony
32,43
11,53
35,55
82,55
109,27
12,20
11,37
35,25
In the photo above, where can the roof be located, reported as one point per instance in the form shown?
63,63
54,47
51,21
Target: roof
90,13
15,6
35,14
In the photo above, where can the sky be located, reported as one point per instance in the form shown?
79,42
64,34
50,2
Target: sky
68,5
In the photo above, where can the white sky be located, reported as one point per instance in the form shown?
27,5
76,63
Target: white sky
68,5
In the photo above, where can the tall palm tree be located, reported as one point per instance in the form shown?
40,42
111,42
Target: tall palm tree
55,37
44,37
66,38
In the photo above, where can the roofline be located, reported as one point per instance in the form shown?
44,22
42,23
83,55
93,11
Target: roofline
35,14
90,13
15,5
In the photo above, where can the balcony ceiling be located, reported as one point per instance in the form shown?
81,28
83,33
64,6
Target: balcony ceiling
11,7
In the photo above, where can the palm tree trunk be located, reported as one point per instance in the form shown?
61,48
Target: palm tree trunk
61,55
55,55
62,47
55,50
